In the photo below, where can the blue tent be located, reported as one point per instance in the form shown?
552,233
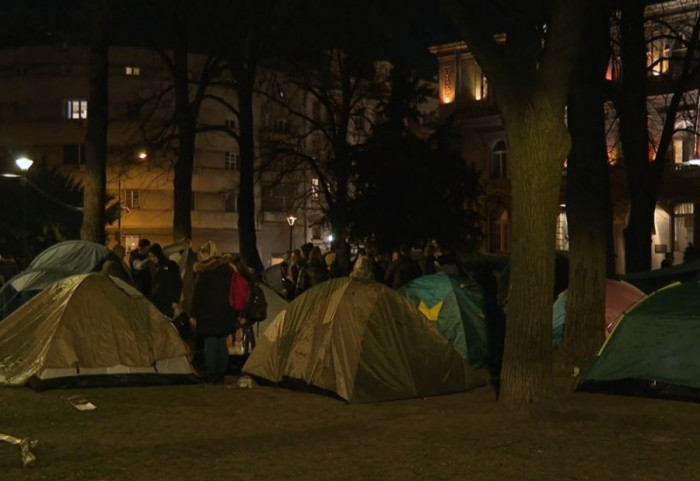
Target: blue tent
53,264
455,305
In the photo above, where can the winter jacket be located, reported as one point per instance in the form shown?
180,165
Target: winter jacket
210,306
166,287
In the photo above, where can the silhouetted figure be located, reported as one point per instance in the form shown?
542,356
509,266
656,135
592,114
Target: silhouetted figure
495,323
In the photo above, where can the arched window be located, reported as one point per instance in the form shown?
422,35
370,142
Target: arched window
499,227
499,160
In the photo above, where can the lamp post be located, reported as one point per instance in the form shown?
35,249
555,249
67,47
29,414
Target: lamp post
291,220
24,164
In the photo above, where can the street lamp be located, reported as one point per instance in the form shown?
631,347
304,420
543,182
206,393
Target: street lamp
291,220
24,164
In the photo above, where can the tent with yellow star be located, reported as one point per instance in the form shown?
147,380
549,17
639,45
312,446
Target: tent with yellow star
362,341
454,304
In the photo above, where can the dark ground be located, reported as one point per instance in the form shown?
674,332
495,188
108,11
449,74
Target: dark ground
198,432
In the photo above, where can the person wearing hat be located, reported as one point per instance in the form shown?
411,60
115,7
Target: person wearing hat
166,285
210,311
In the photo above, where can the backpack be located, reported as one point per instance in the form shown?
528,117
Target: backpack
256,310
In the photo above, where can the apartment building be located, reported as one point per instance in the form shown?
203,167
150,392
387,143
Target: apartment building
43,113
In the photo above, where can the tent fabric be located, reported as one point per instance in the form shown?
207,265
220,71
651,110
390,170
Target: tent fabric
275,304
272,276
90,326
454,304
619,296
653,349
362,341
59,261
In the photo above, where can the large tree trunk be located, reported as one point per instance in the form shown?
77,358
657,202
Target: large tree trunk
588,195
93,226
246,194
634,137
186,120
537,160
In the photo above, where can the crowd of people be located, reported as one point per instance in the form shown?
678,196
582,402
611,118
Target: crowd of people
307,266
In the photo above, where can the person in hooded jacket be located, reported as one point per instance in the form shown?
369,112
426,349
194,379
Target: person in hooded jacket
166,284
210,312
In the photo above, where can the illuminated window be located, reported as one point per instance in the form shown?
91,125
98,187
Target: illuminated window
658,56
76,109
562,231
481,86
130,70
683,222
499,240
498,167
314,188
132,199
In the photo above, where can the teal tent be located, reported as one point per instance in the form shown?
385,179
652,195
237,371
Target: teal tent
653,350
455,305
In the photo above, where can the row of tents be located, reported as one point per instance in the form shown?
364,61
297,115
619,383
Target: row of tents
359,340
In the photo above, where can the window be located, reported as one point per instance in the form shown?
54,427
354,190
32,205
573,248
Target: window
133,110
498,231
682,225
230,124
231,201
130,70
232,161
73,154
314,189
498,167
562,231
76,109
132,199
281,125
316,232
277,198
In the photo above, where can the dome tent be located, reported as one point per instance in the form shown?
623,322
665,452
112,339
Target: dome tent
652,350
619,296
90,329
55,263
455,305
362,341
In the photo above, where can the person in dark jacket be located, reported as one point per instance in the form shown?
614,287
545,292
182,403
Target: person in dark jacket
210,312
313,272
166,285
407,269
141,269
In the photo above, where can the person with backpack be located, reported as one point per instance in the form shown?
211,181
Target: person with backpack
239,292
210,312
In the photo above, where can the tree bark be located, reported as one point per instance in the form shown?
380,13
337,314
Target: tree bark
246,195
588,194
526,375
94,195
186,119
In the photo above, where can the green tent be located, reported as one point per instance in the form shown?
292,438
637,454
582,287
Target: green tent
653,350
362,341
454,304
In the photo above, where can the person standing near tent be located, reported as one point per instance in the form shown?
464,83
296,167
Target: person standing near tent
115,266
210,312
166,284
140,267
238,294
